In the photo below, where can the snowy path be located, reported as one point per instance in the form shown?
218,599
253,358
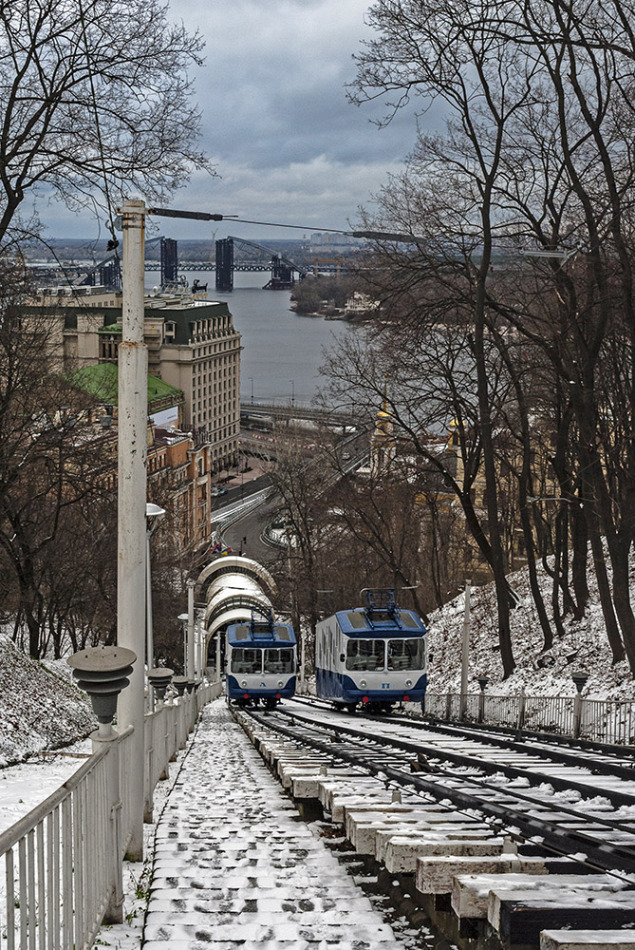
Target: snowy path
235,866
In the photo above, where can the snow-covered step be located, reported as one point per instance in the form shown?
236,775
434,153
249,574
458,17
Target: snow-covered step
520,916
587,940
471,892
402,851
435,875
265,929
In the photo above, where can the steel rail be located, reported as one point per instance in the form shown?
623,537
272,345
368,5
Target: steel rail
519,741
605,856
547,738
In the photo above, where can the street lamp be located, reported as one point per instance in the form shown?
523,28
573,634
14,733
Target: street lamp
292,381
153,516
251,380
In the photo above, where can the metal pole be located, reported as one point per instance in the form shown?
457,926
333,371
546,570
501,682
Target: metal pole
302,658
191,654
149,633
219,672
131,541
465,650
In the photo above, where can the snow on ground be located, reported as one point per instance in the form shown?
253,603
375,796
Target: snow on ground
25,785
583,647
234,864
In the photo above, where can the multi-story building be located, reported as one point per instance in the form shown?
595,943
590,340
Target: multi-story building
192,345
179,471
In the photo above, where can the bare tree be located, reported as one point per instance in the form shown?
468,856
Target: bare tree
94,97
537,153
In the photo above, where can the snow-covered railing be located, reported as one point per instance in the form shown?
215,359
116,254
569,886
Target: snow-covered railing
611,721
61,865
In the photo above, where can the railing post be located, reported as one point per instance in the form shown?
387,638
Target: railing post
148,768
580,680
448,705
482,682
166,733
577,715
521,709
114,909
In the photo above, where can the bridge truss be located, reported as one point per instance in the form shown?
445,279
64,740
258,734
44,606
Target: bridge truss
282,268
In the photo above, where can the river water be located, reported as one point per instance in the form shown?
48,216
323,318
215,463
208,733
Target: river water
282,351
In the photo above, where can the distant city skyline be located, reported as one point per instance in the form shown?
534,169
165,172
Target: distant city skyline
287,144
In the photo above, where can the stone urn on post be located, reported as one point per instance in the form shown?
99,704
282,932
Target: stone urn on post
103,673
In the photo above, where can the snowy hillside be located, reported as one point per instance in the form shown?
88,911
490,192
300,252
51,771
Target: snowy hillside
584,647
39,709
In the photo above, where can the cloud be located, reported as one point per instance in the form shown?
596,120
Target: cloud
287,143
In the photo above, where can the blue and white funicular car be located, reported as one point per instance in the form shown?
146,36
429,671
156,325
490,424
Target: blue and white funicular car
373,655
261,661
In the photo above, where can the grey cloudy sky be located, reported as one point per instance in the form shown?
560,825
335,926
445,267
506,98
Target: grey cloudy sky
287,144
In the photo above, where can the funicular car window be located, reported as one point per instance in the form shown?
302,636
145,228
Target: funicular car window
406,654
278,661
365,655
246,661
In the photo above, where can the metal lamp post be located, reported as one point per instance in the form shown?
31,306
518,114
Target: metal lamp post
159,679
482,683
580,679
190,666
103,673
465,650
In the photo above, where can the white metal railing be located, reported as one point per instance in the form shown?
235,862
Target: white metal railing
61,865
611,721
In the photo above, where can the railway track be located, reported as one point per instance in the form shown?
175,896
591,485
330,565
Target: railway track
562,803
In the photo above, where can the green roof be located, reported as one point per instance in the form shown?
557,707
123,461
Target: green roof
102,379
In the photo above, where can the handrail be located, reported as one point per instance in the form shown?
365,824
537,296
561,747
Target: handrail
12,835
63,861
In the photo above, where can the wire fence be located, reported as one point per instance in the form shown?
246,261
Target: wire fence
61,865
609,721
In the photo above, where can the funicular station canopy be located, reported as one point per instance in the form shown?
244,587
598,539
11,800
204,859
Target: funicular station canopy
233,586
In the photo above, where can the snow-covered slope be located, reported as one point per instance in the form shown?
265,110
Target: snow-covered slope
584,647
39,709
